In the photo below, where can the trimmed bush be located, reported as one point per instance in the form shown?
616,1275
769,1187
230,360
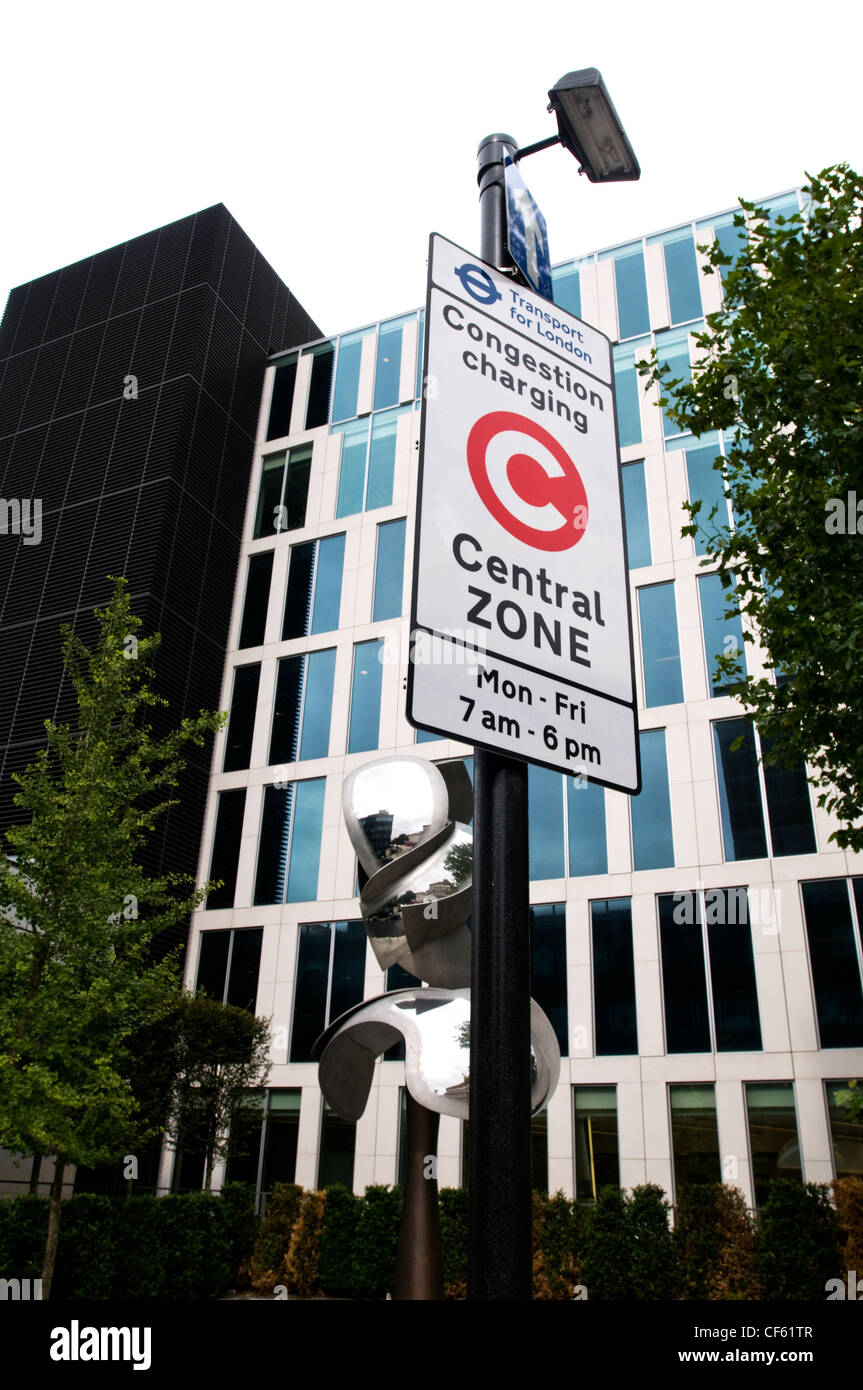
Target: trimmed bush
452,1204
605,1269
735,1275
242,1223
304,1251
341,1215
653,1262
697,1236
848,1196
798,1245
23,1229
274,1236
87,1249
374,1262
555,1246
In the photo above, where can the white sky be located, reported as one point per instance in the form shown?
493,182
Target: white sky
340,133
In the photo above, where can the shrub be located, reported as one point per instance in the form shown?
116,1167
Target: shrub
304,1251
798,1245
735,1275
697,1236
87,1251
653,1261
452,1204
848,1195
238,1199
274,1236
23,1228
341,1215
555,1246
605,1268
374,1262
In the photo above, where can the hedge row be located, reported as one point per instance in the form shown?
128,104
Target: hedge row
178,1247
623,1247
198,1245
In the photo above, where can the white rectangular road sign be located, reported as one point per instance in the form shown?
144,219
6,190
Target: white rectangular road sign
521,637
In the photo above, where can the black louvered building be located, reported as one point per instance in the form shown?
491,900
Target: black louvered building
145,478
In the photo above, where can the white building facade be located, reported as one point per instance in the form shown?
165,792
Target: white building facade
698,948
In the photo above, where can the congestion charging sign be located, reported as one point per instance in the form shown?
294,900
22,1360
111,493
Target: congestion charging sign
521,637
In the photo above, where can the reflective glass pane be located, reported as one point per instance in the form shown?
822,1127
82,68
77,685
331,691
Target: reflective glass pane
296,497
306,841
633,315
660,648
773,1140
257,599
241,725
267,514
348,375
684,987
320,381
352,472
566,285
835,968
706,485
420,345
652,840
349,967
548,967
226,846
681,275
628,390
365,697
213,950
739,791
282,401
846,1135
789,807
312,989
723,636
597,1162
242,990
585,810
298,598
287,704
382,458
328,584
694,1135
672,349
635,515
388,364
274,844
732,970
318,704
613,978
336,1158
545,800
389,570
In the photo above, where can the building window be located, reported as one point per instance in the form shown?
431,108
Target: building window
706,485
389,570
723,636
773,1140
566,288
336,1155
660,647
226,846
314,594
681,274
833,954
613,978
241,725
538,1152
346,391
284,491
672,349
388,362
627,390
694,1135
731,239
845,1135
368,462
254,624
636,515
597,1162
302,707
228,965
574,821
652,839
363,733
740,798
630,283
290,844
548,967
282,400
320,381
331,965
420,344
723,956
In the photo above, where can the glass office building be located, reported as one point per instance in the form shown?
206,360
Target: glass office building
697,949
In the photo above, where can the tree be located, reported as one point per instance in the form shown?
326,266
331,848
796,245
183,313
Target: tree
78,913
221,1059
781,373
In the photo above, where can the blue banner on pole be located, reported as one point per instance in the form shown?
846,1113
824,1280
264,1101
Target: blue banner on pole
526,232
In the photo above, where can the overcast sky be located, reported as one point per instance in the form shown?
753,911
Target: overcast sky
340,134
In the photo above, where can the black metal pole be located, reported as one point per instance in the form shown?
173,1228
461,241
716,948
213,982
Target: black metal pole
499,1222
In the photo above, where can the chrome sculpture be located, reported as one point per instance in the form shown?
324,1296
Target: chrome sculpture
409,822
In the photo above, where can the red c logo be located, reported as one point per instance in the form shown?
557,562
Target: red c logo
514,484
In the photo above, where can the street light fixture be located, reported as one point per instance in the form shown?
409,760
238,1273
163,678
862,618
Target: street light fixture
590,128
